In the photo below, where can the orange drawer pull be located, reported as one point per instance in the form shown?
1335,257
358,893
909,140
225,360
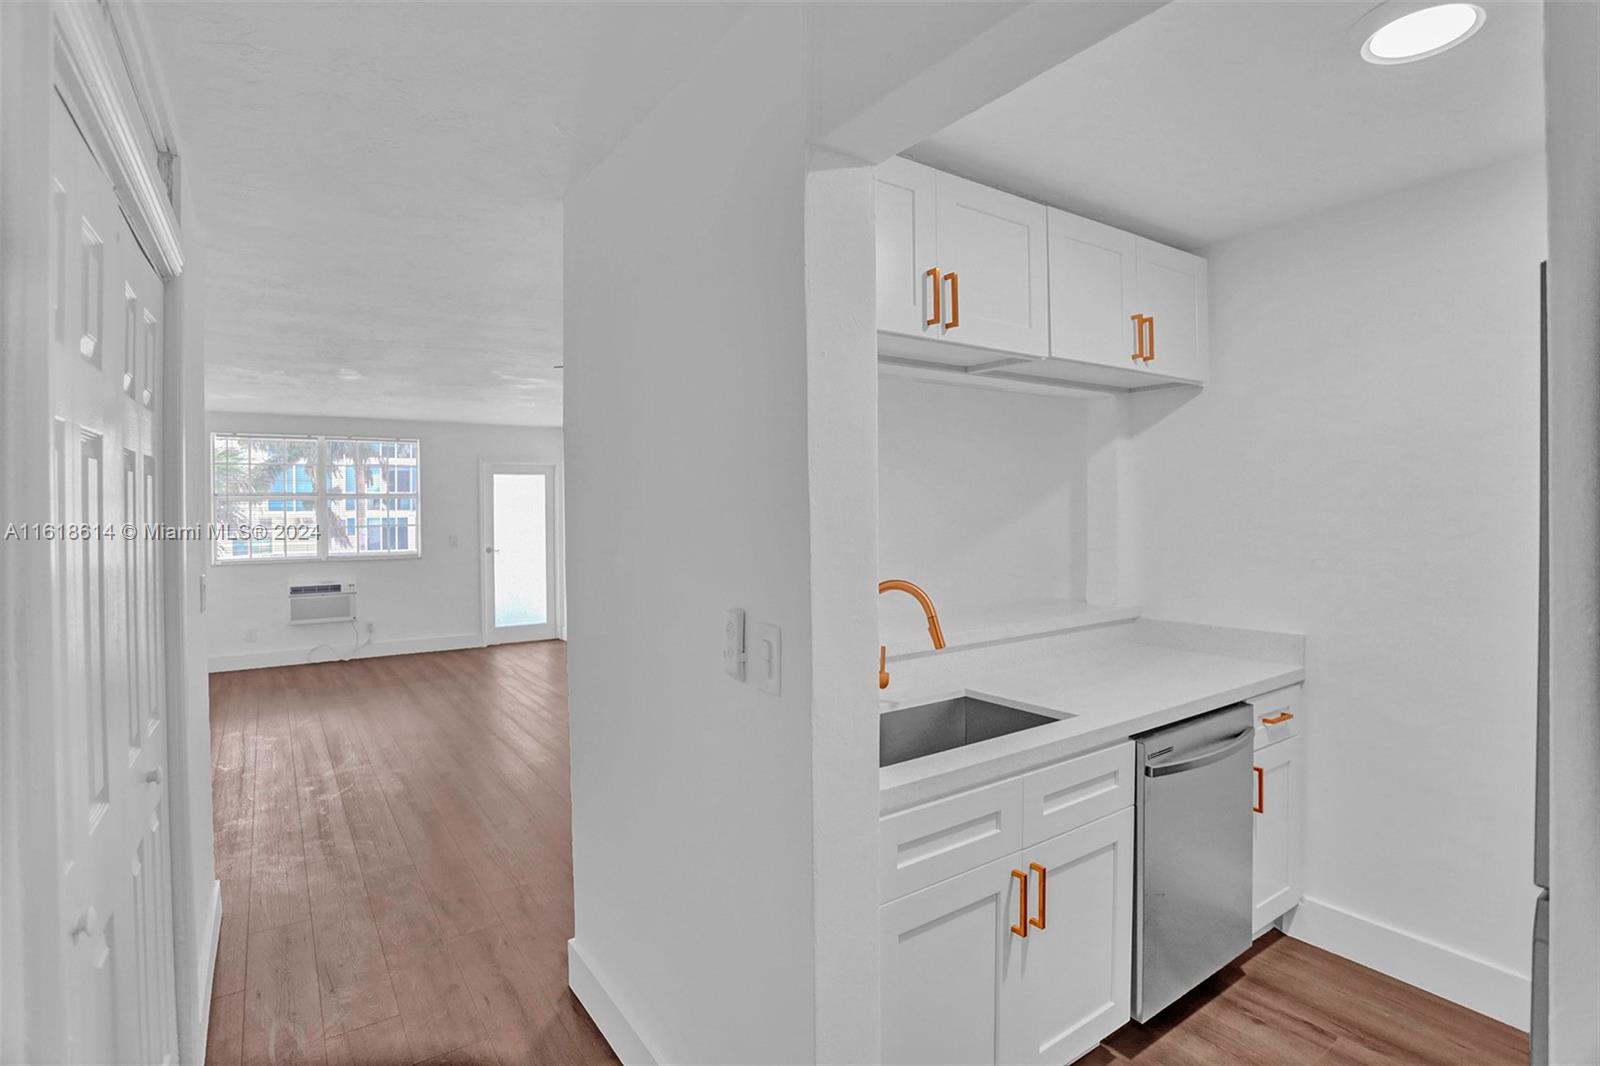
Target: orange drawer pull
938,295
1278,719
955,300
1138,337
1021,928
1038,923
1261,790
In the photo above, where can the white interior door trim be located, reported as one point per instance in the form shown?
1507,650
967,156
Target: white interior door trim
99,94
487,468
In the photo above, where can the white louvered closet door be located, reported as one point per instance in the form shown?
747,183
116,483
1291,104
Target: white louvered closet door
115,855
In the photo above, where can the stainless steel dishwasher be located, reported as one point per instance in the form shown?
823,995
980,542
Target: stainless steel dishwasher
1192,855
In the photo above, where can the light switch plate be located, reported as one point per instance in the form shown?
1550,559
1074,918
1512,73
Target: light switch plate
766,656
733,643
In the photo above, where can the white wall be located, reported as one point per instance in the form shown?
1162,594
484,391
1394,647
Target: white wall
418,604
1363,468
1572,87
686,432
720,373
981,494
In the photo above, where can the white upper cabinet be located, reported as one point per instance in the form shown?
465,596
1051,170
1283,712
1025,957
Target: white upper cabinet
1172,293
992,250
961,265
1125,303
1094,278
905,230
977,280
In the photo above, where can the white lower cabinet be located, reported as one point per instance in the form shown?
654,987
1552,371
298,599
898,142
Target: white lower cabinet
1275,796
1067,986
940,971
1025,959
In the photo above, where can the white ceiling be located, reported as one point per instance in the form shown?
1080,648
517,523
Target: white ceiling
1208,119
379,188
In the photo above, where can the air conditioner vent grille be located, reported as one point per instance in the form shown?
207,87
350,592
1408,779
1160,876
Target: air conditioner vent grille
333,601
309,590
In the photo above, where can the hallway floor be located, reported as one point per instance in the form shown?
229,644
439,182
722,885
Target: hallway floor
393,838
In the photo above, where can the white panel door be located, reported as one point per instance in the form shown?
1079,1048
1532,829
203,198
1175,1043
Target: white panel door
939,976
105,364
1275,796
1068,984
1093,286
520,599
994,254
1172,290
904,208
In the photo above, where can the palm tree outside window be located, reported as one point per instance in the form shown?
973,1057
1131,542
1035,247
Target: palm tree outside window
307,498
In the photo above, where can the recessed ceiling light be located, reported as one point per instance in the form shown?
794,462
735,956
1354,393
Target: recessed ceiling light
1406,32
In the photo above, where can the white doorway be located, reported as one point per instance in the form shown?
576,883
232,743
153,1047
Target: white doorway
521,597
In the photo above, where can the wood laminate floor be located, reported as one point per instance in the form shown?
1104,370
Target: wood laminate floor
393,838
1286,1002
393,841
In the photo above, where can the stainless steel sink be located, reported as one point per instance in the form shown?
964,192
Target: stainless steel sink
912,732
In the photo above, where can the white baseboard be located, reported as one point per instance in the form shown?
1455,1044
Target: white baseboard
608,1016
1475,983
255,660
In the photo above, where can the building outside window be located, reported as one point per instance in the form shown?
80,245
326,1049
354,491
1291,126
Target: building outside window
307,498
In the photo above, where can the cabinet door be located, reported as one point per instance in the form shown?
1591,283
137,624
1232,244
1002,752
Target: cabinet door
1066,987
1093,288
904,206
996,245
1275,789
940,970
1172,290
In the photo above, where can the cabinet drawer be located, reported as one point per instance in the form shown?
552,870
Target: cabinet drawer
926,844
1062,797
1274,705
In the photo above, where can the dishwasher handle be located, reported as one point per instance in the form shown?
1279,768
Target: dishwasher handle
1205,757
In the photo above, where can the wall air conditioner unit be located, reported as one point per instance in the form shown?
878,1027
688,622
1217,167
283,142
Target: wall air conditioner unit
313,604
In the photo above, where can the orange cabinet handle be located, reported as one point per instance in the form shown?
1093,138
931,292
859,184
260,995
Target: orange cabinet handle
1278,719
955,300
1038,922
1021,928
1150,349
1138,337
1261,790
938,314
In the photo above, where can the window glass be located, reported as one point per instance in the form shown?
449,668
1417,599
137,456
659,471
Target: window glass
283,497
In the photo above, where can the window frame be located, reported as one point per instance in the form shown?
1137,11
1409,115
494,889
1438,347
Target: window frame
321,499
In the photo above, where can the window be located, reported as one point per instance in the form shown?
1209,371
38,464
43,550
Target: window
276,497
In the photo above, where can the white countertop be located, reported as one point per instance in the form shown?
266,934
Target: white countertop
1128,689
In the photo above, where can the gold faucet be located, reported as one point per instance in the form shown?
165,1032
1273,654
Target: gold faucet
934,630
